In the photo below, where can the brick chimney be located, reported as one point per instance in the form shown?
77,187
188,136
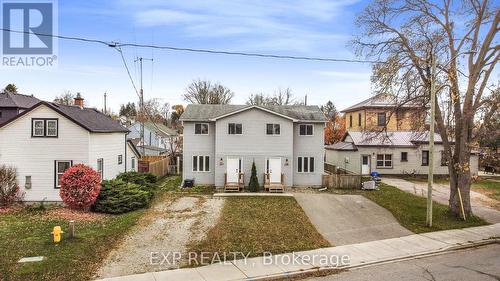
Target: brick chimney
78,100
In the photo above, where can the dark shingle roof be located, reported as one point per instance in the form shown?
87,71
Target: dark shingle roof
208,112
88,118
8,99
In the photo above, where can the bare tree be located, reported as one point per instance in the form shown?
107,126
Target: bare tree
153,111
405,35
280,97
204,92
66,98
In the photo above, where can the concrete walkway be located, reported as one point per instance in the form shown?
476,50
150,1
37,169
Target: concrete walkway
361,254
349,219
441,194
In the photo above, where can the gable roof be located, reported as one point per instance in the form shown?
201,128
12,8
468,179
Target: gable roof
88,118
161,129
8,99
379,101
212,112
132,146
399,138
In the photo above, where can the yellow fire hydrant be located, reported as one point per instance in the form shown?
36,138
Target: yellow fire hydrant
57,234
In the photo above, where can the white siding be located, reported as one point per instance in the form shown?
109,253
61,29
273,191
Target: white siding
309,146
35,156
107,146
131,155
198,145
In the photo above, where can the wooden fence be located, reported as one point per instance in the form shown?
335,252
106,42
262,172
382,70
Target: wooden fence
156,165
341,181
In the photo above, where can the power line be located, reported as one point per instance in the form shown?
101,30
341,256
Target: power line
115,44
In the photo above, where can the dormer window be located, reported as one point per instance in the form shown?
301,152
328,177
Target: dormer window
44,128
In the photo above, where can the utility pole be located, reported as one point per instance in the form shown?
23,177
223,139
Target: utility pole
105,106
430,177
141,103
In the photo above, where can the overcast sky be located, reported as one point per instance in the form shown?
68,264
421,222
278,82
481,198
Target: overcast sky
317,28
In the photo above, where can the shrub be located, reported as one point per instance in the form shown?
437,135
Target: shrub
145,180
118,197
9,188
253,186
80,186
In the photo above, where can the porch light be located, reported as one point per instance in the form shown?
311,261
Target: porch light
221,162
286,162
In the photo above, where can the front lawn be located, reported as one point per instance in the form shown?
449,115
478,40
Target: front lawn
411,210
27,233
261,224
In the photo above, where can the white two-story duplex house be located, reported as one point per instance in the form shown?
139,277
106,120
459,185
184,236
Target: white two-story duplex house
47,138
222,141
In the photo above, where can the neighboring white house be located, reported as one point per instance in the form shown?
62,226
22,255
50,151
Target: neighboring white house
158,138
399,152
46,139
220,143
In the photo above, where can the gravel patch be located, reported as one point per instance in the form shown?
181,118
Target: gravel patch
166,228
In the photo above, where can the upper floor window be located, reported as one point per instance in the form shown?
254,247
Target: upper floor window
201,128
381,119
273,129
350,120
359,119
44,128
306,130
120,159
235,129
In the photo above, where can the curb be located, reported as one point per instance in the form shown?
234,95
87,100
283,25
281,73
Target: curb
379,262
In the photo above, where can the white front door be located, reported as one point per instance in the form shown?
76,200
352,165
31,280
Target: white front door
274,169
365,164
233,169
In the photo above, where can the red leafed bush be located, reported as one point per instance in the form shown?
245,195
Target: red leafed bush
80,186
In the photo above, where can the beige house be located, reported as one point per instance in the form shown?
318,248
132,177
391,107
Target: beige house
379,111
391,153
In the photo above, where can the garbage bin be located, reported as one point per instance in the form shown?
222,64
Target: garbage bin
188,183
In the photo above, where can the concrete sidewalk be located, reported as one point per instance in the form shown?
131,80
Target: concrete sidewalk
361,254
441,194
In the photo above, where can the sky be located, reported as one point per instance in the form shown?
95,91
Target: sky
318,28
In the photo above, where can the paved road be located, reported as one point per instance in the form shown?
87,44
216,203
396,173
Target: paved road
349,219
441,194
478,264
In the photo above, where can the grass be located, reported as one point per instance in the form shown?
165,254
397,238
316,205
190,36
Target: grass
27,233
173,184
256,225
411,210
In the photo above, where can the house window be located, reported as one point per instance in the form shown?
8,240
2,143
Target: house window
235,129
201,128
60,167
306,129
350,120
305,164
381,119
425,157
201,163
120,159
273,129
100,167
444,159
132,164
404,156
384,160
359,119
44,128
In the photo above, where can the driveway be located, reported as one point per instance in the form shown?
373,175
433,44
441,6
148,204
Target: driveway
481,204
349,219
